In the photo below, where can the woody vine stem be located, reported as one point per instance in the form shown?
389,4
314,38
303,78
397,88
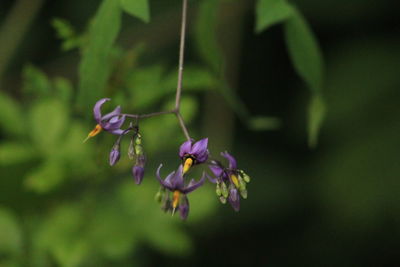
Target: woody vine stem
176,110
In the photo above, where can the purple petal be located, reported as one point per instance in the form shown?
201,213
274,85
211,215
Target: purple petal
212,180
115,112
193,185
177,179
138,174
234,199
217,170
168,179
231,159
185,148
113,124
165,183
184,207
97,107
199,148
117,132
202,157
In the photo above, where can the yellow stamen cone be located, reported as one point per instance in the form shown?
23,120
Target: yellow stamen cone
235,180
175,200
187,165
97,129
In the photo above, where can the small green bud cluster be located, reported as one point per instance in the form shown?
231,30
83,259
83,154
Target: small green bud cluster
222,191
243,179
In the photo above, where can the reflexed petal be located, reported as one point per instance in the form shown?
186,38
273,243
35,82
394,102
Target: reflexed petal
166,183
231,159
184,207
185,148
168,179
97,107
199,148
115,112
234,199
193,185
113,124
217,170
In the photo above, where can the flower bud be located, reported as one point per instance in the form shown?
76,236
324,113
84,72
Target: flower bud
139,150
243,193
138,139
159,195
224,190
218,190
131,150
242,184
246,177
138,173
222,199
114,155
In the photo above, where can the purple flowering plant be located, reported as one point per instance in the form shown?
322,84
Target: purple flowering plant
172,195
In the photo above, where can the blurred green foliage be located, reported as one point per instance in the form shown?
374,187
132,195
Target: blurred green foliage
338,205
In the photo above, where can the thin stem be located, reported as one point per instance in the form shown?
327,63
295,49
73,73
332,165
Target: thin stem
181,56
149,115
183,126
175,111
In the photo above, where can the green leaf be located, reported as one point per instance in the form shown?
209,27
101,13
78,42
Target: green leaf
206,35
63,28
48,123
61,236
304,51
35,82
146,85
46,177
64,89
15,153
114,226
66,33
11,116
149,85
77,158
94,69
316,114
137,8
10,233
270,12
195,78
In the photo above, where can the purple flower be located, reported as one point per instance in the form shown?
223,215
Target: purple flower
192,154
110,122
231,182
138,169
175,184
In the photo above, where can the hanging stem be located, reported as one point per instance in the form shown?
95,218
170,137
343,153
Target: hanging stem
181,56
176,110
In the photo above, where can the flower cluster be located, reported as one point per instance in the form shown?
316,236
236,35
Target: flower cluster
230,181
